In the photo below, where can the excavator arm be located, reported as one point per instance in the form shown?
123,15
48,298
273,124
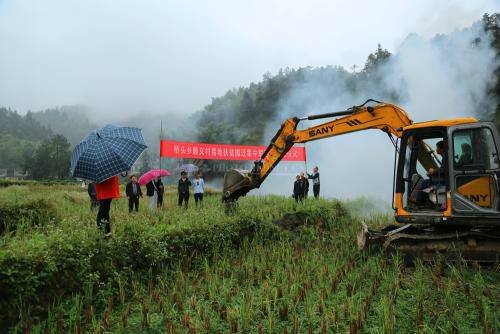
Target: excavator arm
383,116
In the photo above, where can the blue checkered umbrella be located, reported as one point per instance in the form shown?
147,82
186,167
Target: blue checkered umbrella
107,152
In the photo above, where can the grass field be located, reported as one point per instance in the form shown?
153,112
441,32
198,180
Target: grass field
210,271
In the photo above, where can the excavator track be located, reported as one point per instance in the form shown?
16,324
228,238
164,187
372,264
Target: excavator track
431,242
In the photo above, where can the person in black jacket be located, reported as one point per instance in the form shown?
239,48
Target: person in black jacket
298,192
436,176
133,192
94,203
305,184
183,189
150,192
315,177
160,189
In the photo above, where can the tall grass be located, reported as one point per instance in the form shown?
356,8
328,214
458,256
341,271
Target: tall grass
201,270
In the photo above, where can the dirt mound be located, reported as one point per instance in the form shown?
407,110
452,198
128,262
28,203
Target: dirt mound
293,221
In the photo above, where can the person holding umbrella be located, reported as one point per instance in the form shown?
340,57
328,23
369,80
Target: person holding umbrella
133,192
106,191
183,189
100,157
154,186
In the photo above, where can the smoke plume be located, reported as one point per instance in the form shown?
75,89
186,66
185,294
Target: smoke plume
438,78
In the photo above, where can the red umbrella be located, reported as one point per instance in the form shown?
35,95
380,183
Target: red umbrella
152,174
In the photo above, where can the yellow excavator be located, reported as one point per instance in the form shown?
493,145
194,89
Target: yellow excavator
445,186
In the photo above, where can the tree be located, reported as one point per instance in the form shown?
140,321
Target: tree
61,156
375,60
491,25
51,159
145,163
19,135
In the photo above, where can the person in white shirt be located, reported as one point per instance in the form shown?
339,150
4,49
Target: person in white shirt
198,184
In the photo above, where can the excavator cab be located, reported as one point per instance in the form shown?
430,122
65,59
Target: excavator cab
464,185
455,212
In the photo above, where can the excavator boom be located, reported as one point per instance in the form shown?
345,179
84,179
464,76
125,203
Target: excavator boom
383,116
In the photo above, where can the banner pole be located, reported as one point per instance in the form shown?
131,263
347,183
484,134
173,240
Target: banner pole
305,157
161,137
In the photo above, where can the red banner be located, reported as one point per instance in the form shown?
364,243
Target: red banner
176,149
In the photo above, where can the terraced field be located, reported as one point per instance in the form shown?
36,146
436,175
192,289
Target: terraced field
267,266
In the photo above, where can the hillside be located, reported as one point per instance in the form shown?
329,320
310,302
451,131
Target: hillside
385,76
71,121
19,136
248,115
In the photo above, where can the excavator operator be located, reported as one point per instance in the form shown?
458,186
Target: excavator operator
466,156
436,175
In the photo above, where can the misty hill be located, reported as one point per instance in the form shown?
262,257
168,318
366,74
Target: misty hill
19,136
22,127
70,121
461,64
243,115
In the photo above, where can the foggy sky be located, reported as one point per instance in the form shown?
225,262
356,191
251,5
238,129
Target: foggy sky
174,56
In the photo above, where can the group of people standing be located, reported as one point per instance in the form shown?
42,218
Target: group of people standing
301,185
154,190
183,189
101,195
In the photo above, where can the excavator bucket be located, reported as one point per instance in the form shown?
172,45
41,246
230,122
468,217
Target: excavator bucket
237,183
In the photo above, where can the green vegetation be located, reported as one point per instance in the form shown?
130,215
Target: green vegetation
70,121
491,24
18,137
28,146
38,142
267,265
25,214
250,109
37,264
51,160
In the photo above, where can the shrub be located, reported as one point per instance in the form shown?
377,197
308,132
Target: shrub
34,213
36,271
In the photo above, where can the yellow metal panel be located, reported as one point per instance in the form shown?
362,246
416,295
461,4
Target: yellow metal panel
480,191
444,123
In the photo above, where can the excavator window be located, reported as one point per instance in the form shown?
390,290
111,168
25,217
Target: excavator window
474,154
474,149
424,171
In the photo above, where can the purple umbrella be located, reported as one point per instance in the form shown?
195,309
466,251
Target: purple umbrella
152,174
188,168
